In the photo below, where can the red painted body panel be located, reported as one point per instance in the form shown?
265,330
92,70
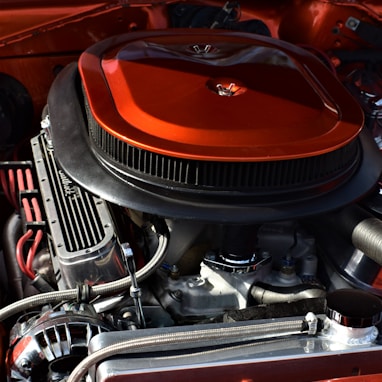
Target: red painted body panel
37,39
358,378
46,35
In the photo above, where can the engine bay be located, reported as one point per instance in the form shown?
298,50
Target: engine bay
191,190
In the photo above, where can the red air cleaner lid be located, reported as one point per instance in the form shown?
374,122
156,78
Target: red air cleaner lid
215,95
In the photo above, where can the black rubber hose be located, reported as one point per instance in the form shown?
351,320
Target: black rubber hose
12,231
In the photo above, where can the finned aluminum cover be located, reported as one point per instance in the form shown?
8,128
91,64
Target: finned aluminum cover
85,246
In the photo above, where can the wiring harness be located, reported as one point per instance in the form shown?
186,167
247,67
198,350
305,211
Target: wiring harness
18,187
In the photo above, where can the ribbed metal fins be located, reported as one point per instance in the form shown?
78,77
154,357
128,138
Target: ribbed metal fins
76,209
65,339
271,175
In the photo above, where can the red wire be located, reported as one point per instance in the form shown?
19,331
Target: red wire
20,179
32,252
24,201
10,194
26,268
29,177
12,186
36,207
39,234
27,209
19,253
4,185
38,218
37,211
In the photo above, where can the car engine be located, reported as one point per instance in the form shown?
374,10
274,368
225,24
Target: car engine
191,190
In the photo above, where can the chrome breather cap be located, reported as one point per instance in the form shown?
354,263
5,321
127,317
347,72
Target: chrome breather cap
354,308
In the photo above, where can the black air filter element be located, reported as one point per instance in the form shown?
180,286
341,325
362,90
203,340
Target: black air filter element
264,177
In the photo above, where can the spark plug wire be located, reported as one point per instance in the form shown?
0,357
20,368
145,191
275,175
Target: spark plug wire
27,266
20,255
7,189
